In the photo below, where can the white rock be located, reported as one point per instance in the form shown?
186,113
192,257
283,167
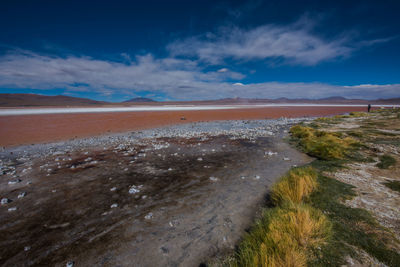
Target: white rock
133,190
27,248
5,201
257,177
70,264
12,209
149,216
115,205
16,181
214,179
286,158
113,189
200,159
22,194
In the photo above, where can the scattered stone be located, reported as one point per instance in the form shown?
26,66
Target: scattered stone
213,179
12,209
16,181
53,190
286,158
5,201
134,189
170,169
270,153
115,205
200,159
22,194
257,177
70,264
149,216
113,189
27,248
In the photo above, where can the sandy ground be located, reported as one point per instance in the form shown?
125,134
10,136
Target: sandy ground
32,129
172,196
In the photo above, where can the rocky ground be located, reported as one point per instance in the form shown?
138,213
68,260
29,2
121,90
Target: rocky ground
164,197
380,135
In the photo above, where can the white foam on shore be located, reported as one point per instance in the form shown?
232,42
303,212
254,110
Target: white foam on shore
36,111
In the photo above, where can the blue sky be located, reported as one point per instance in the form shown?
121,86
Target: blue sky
191,50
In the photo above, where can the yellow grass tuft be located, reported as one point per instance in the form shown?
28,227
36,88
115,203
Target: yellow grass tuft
295,186
284,237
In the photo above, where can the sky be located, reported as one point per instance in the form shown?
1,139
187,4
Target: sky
200,50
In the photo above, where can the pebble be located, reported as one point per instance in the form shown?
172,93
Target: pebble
5,201
12,209
200,159
115,205
286,158
16,181
149,216
257,177
70,264
214,179
113,189
27,248
22,194
133,190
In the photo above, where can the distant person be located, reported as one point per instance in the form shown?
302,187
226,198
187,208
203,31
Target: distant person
369,107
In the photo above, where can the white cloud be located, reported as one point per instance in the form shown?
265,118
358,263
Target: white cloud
175,78
294,44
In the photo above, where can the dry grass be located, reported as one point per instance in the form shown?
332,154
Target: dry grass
284,237
285,234
323,145
295,186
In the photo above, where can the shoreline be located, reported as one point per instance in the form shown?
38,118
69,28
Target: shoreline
43,128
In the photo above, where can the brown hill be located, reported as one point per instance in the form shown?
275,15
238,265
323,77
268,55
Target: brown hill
32,100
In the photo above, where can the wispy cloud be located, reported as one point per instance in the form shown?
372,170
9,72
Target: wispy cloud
296,43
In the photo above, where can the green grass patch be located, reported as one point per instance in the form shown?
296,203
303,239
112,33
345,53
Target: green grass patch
394,185
322,145
358,114
386,161
350,226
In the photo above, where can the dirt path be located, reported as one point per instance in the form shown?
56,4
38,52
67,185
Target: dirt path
166,201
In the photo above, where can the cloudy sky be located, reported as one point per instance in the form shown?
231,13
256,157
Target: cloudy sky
191,50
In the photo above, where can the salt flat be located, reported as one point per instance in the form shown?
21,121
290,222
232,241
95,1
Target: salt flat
65,110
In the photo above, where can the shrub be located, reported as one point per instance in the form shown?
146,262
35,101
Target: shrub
284,237
386,161
294,186
358,114
320,144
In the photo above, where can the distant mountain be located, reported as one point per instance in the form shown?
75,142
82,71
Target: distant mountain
140,100
334,98
32,100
